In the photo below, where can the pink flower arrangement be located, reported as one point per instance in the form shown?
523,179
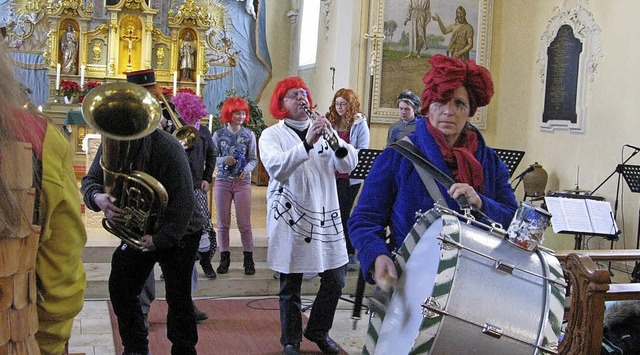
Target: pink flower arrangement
190,107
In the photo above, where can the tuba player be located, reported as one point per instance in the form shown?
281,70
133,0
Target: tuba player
173,245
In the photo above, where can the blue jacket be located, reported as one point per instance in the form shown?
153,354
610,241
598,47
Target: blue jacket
393,192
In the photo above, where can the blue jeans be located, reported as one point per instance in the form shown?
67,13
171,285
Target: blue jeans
323,309
129,271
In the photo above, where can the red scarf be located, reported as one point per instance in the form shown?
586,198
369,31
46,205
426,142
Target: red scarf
460,159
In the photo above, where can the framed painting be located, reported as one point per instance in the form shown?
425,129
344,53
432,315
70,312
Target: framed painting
416,30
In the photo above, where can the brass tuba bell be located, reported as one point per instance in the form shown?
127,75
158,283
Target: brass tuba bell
123,113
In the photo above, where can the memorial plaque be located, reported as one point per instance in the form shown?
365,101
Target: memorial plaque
562,77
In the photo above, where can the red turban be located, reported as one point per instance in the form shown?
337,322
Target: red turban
447,74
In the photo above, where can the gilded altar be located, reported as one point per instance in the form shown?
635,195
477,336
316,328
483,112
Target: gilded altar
128,40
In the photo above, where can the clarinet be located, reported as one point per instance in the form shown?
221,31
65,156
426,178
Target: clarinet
328,135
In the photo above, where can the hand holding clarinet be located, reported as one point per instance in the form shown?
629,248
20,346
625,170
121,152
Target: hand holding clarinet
320,127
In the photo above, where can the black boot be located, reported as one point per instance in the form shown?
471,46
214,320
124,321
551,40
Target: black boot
205,263
225,261
249,266
200,315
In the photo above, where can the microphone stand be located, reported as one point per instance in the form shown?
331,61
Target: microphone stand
618,170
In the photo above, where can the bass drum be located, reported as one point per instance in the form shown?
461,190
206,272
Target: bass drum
480,294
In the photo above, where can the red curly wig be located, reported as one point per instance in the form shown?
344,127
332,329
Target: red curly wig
232,105
292,82
353,108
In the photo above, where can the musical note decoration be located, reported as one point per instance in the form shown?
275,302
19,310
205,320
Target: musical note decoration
309,225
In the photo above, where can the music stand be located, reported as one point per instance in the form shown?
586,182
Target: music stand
366,157
511,157
631,174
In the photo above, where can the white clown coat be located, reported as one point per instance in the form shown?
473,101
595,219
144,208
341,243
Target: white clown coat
303,216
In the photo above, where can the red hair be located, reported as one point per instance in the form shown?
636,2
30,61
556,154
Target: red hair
292,82
232,105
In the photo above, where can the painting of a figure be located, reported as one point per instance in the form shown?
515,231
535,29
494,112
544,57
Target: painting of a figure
416,30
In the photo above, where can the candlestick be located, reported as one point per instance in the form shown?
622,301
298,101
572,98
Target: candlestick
175,83
58,67
198,85
81,76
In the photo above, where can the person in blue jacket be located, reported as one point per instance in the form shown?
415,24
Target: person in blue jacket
393,191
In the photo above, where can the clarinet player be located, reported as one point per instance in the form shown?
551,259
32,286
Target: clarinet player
303,216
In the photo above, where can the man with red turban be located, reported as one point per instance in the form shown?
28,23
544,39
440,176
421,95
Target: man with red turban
394,192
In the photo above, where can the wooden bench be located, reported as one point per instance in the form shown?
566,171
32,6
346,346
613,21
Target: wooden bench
591,287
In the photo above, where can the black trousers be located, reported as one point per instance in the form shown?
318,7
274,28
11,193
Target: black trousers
346,197
129,270
323,309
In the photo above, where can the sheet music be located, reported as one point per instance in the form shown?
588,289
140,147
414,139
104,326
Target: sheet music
576,215
554,206
601,217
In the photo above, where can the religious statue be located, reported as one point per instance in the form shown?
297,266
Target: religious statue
462,37
69,47
187,51
419,16
97,51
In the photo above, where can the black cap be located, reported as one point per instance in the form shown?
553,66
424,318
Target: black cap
409,96
146,77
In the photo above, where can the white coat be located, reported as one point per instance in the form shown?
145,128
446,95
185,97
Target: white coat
303,216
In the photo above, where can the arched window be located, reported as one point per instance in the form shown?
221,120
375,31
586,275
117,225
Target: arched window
309,33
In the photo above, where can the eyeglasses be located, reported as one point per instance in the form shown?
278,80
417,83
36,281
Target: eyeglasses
295,94
341,104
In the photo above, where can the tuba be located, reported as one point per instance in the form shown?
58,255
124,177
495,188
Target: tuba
124,113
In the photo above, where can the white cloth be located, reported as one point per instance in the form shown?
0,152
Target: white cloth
303,215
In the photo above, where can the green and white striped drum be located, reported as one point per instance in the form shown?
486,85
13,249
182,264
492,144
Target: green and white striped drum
463,289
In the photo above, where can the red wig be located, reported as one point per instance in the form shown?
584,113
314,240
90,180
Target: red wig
232,105
447,74
292,82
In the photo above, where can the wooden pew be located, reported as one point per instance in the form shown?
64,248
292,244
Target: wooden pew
591,287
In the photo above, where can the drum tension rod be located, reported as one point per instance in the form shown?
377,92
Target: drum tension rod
506,267
492,330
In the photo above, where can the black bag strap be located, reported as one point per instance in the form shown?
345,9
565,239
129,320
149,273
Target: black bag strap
428,172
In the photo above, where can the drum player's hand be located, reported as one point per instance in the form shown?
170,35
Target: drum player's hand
384,272
147,243
106,203
459,189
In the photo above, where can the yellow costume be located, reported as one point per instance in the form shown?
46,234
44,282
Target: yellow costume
57,286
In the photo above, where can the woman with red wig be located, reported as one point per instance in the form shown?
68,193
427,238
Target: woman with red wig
303,215
394,191
235,148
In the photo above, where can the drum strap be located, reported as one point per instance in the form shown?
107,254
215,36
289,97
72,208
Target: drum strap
409,151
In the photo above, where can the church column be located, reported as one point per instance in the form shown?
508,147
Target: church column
294,48
112,56
147,42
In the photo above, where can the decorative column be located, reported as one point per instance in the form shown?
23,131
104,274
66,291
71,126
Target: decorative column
294,41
